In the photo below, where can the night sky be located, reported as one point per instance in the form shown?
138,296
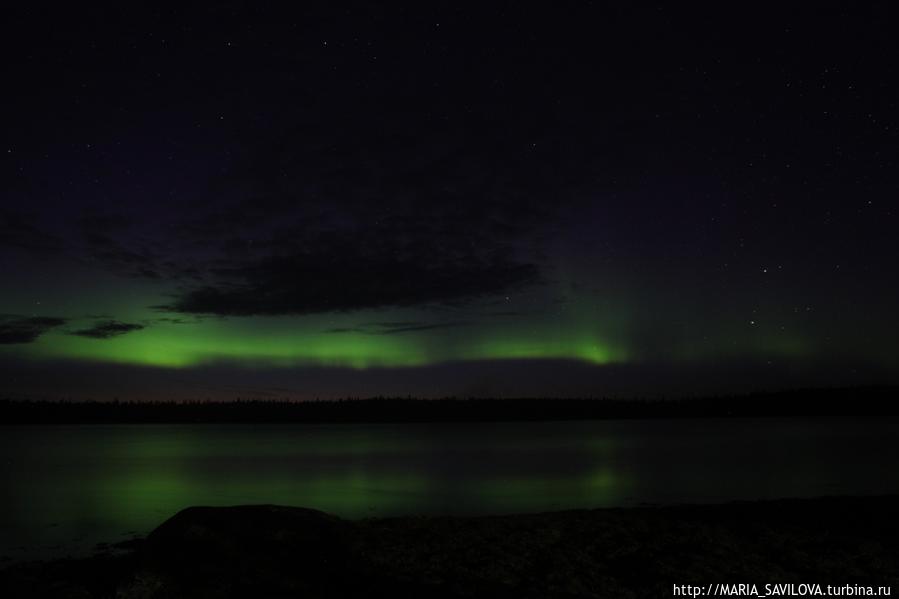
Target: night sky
503,198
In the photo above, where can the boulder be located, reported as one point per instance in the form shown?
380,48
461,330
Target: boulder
245,551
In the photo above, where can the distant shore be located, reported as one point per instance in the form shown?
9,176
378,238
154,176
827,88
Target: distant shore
270,551
837,402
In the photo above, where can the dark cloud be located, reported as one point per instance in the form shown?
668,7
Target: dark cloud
169,320
392,328
379,205
354,280
21,231
423,327
130,248
370,203
120,259
26,330
108,329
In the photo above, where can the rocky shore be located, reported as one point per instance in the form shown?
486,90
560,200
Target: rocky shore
273,551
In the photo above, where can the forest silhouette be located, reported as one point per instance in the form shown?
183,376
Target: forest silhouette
856,401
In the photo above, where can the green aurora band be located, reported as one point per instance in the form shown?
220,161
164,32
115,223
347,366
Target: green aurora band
181,346
580,334
619,328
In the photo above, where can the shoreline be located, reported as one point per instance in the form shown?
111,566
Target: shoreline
868,401
635,551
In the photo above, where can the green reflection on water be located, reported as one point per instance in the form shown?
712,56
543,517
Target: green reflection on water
95,483
595,489
141,495
63,485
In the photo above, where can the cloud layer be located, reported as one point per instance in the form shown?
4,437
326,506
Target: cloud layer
108,329
27,330
311,284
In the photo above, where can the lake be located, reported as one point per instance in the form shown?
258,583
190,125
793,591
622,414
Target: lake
64,488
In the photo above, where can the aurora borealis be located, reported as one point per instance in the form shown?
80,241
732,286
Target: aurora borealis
238,203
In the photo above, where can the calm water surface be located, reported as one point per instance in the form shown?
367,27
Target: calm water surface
64,488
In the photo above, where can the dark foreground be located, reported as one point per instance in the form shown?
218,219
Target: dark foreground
269,551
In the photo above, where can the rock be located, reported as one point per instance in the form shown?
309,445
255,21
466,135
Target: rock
278,552
245,551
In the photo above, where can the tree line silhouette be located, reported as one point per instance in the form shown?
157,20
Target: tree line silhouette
858,401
